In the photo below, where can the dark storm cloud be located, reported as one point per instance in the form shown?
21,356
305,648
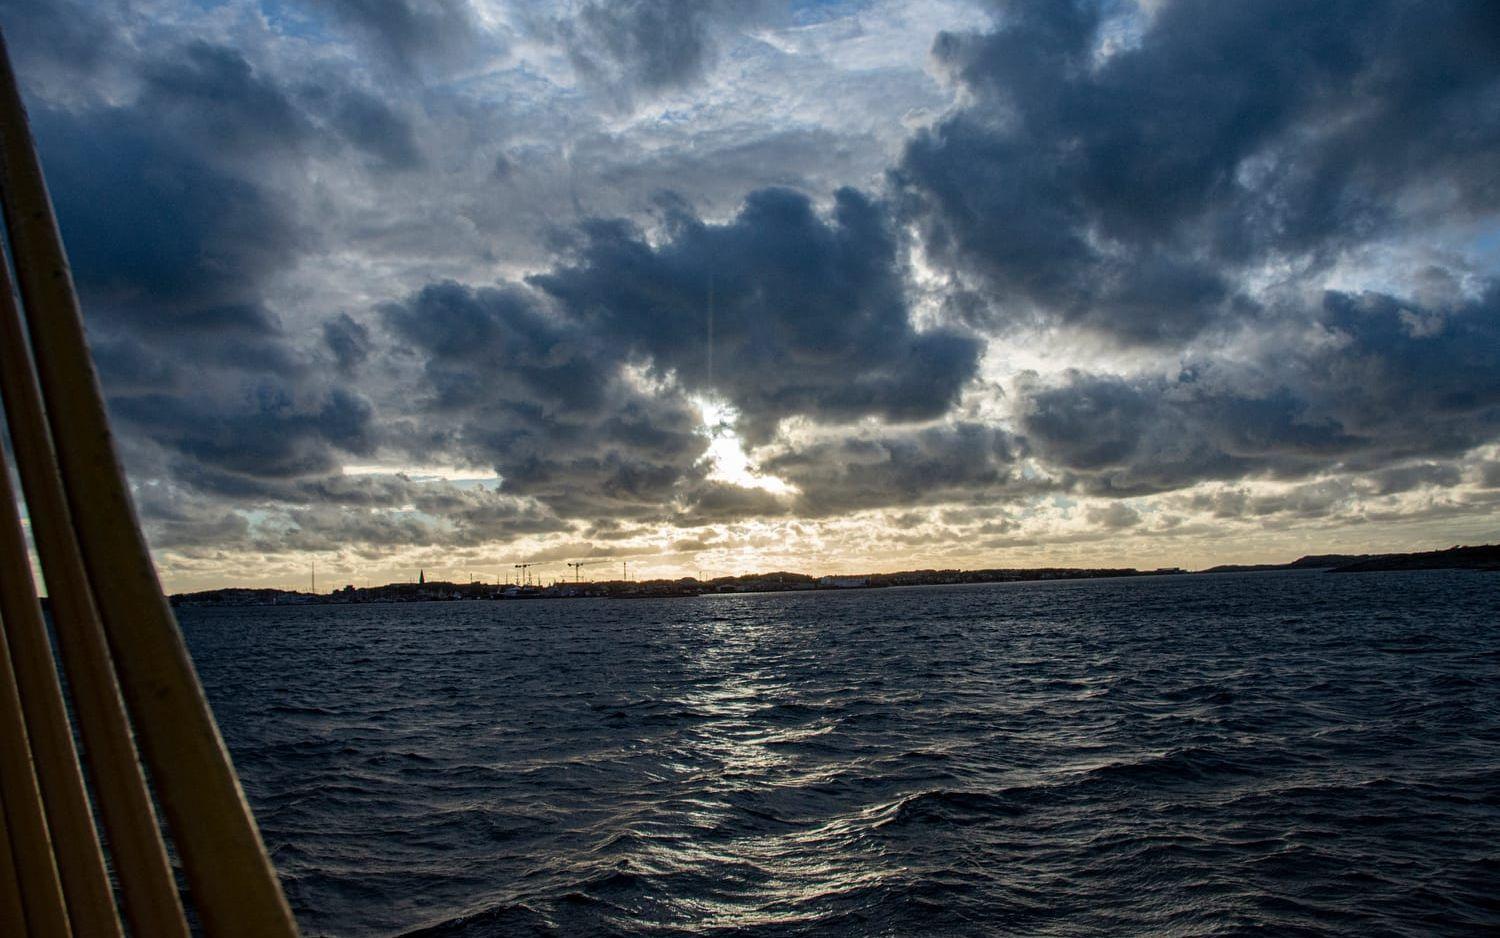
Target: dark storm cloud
511,385
1411,375
375,514
212,95
1311,500
809,313
710,502
371,125
329,528
172,209
438,514
171,253
149,222
504,337
1103,170
265,427
809,320
1389,381
175,519
75,39
230,112
900,467
631,46
364,491
1125,190
348,340
1139,435
411,33
1398,479
176,209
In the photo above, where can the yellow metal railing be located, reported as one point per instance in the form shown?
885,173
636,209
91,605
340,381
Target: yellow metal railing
128,672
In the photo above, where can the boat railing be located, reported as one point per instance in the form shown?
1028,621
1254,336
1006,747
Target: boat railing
146,732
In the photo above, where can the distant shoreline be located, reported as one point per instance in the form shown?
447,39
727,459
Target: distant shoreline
1484,557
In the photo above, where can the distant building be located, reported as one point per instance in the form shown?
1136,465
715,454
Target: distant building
421,577
844,582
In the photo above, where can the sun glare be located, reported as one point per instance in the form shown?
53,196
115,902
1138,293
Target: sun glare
726,454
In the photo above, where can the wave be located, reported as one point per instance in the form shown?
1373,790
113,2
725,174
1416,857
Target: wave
1186,765
952,806
505,919
1183,755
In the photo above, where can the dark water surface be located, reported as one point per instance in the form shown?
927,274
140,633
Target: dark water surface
1298,753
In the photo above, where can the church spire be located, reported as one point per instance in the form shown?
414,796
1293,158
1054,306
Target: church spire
421,577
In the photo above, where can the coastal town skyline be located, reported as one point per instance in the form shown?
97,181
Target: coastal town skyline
529,586
843,287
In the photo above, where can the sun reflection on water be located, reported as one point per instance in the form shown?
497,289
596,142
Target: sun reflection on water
742,761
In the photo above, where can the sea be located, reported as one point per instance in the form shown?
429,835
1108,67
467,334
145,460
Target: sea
1285,753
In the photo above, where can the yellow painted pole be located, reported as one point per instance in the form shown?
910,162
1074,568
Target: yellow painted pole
29,843
80,861
147,889
234,887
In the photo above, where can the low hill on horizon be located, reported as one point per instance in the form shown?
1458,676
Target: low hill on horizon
1478,557
1308,562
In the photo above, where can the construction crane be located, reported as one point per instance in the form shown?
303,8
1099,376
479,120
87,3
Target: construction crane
525,575
578,564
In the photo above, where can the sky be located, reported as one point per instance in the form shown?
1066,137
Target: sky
716,287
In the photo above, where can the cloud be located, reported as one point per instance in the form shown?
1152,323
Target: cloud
710,502
151,223
376,128
506,383
1398,479
1371,393
1130,189
54,42
412,34
809,320
212,95
176,519
838,472
173,253
348,340
1246,248
809,315
263,428
641,47
1116,516
375,515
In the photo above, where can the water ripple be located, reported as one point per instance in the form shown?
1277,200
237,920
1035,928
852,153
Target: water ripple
1270,753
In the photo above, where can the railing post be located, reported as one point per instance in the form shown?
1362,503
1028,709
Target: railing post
28,844
80,860
149,892
234,888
